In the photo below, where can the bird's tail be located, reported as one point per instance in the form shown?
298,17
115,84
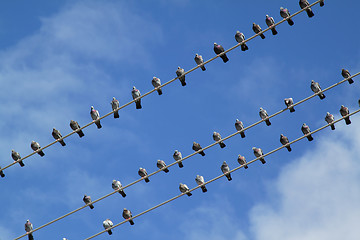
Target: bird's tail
222,145
262,36
242,134
288,148
98,124
180,164
2,174
332,127
159,91
262,160
189,194
122,193
322,3
147,180
182,80
203,188
91,206
351,81
347,120
21,163
41,153
321,96
116,114
138,104
109,232
62,143
30,236
309,12
228,177
131,222
166,170
246,167
310,138
81,133
224,58
202,153
203,68
268,123
290,22
273,30
292,109
244,47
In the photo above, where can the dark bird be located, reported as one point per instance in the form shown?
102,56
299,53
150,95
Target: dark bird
196,147
115,105
306,130
76,127
329,118
285,141
240,37
177,156
315,87
239,126
256,28
219,49
346,74
217,138
180,72
128,216
87,200
289,102
284,12
16,157
135,93
57,135
226,170
344,111
162,165
303,4
157,83
143,173
199,60
35,146
242,161
95,117
184,189
271,24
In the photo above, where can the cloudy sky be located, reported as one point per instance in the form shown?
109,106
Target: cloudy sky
58,58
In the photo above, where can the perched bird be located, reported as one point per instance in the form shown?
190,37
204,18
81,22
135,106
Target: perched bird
57,135
115,105
219,49
117,186
226,170
264,115
76,127
285,141
162,165
242,161
199,60
284,12
346,74
184,189
177,156
108,224
135,93
87,200
315,87
270,23
28,228
143,173
306,130
288,103
16,157
329,118
217,138
128,215
239,126
2,173
344,111
303,4
196,147
200,181
322,3
240,37
35,146
180,73
256,28
258,153
95,117
157,83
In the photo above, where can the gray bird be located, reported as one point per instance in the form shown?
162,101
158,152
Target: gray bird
95,117
117,186
157,83
322,3
284,12
177,156
108,224
315,87
217,138
218,49
226,170
135,93
76,127
258,153
2,173
128,216
329,118
16,157
180,73
270,23
242,161
344,111
184,189
57,135
162,165
303,4
87,200
288,103
115,105
199,60
143,173
285,141
240,37
346,74
264,116
239,126
28,228
35,146
196,147
256,28
306,130
200,181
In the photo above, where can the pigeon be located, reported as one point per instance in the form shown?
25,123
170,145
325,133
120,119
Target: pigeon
288,103
128,215
161,165
115,105
242,161
225,169
344,111
200,181
76,127
28,228
285,141
217,138
240,37
199,60
108,224
239,126
117,186
284,12
219,49
264,115
157,83
196,147
143,173
315,87
87,200
180,73
135,94
258,153
95,117
270,23
306,130
177,156
303,4
36,146
256,28
57,135
16,157
329,118
346,74
2,173
322,3
184,189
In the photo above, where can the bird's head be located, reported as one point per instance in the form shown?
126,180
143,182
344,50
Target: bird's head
281,8
215,44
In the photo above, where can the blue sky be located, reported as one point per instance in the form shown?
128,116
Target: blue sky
58,58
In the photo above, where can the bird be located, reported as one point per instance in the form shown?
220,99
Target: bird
74,125
200,181
344,111
184,189
57,135
117,186
285,141
35,146
256,28
128,216
329,118
322,3
258,153
284,12
288,103
180,73
157,83
226,170
115,105
87,200
2,173
315,87
303,4
28,228
143,173
219,49
108,224
270,23
135,93
242,161
240,37
95,117
196,147
264,115
162,165
239,126
16,157
346,74
217,138
177,156
306,130
199,60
